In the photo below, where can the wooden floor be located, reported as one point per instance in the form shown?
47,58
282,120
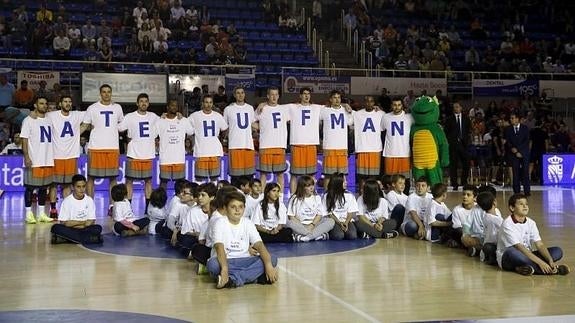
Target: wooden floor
392,280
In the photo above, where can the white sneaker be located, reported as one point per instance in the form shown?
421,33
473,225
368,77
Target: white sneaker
44,218
30,219
305,239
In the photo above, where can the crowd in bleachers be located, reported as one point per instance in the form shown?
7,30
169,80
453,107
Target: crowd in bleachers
496,36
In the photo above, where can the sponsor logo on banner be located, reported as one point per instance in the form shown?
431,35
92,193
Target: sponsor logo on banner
396,86
505,87
189,82
12,172
247,81
125,87
317,84
35,77
559,169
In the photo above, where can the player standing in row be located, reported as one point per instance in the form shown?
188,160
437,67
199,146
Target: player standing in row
172,131
304,137
272,122
208,150
141,151
367,134
335,120
103,147
38,152
396,149
240,118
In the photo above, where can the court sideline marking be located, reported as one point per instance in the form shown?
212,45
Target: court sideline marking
330,295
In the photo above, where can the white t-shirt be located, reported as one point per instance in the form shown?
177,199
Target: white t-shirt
193,220
492,225
477,227
418,204
398,129
381,211
304,123
207,128
104,120
156,213
172,134
236,238
461,218
512,233
141,131
40,135
395,198
335,123
305,211
273,126
73,209
433,209
349,205
240,119
123,211
66,133
367,131
176,210
273,219
251,204
207,230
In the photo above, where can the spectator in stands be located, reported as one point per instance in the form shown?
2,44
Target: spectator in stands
61,45
160,44
444,45
5,38
7,90
454,37
143,20
42,91
472,59
104,39
212,50
317,14
106,55
384,101
350,20
437,62
390,35
139,10
56,93
17,30
477,31
160,54
60,25
144,31
44,15
160,30
91,55
221,98
15,147
408,100
89,33
490,61
22,14
146,49
24,96
74,35
104,29
400,63
177,14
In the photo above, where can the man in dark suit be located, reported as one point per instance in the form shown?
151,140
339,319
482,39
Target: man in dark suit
516,138
458,129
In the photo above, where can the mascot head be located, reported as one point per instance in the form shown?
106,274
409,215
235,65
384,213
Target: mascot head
425,110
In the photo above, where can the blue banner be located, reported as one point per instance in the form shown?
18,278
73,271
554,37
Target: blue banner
317,84
247,81
558,169
12,172
512,88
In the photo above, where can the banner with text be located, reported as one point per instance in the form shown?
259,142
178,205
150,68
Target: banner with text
35,77
505,87
558,169
189,82
397,85
247,81
558,89
317,84
12,172
125,87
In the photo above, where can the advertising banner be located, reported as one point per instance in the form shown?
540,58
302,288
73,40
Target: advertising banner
317,84
505,87
12,172
189,82
397,86
125,87
247,81
558,169
34,78
558,89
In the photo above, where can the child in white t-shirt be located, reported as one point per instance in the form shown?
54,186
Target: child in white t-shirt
373,213
492,221
270,216
437,215
195,218
474,240
341,206
125,222
461,216
520,247
157,208
415,207
397,199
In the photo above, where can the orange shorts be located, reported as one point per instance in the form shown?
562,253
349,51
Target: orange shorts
368,163
397,165
334,161
38,176
303,160
207,167
64,170
272,160
139,168
103,162
173,171
242,162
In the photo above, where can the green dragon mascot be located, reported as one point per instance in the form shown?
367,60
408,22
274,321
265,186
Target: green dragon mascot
429,148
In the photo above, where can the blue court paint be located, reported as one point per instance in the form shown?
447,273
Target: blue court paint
84,316
156,247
